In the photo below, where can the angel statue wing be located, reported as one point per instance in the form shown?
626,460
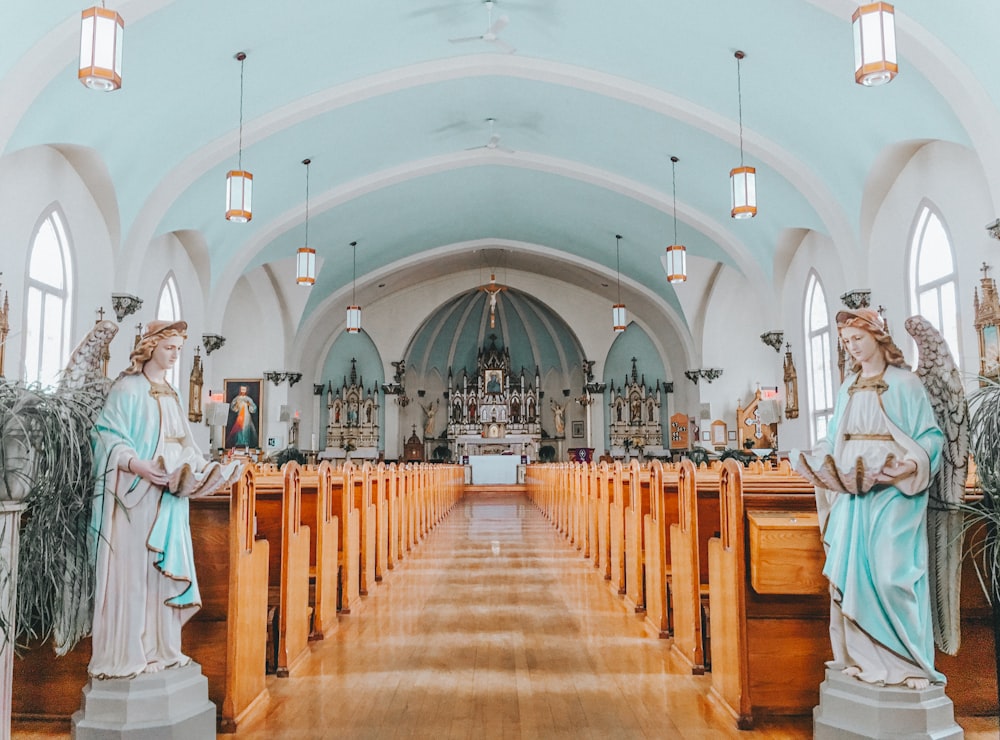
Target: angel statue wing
937,371
84,380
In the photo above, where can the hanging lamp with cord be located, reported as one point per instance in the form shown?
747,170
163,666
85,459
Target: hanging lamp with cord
619,316
239,182
743,179
305,261
101,35
676,252
354,310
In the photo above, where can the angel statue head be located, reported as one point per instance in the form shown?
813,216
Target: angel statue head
156,331
862,332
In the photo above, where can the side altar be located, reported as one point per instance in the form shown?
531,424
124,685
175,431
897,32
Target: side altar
493,412
352,423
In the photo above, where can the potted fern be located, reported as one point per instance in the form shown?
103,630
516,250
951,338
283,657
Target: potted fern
984,439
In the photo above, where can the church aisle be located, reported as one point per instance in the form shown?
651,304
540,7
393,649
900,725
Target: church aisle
494,627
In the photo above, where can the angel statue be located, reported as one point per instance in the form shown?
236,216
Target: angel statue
430,411
888,477
146,466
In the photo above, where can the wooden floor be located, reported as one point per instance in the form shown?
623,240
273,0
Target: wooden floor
496,628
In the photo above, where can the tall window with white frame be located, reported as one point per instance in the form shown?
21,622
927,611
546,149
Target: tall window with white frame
48,299
168,308
819,369
933,278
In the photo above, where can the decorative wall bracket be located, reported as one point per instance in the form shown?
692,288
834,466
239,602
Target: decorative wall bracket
212,342
773,339
692,375
392,389
855,299
125,304
318,389
293,378
994,229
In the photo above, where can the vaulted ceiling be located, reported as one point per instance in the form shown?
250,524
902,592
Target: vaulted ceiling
589,99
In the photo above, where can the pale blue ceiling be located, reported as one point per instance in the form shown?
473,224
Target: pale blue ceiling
594,101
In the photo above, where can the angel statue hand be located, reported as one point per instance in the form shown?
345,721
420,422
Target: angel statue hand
896,471
149,470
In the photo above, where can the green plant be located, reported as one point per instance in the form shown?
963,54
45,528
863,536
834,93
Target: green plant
699,456
546,453
984,514
289,453
46,457
442,453
741,456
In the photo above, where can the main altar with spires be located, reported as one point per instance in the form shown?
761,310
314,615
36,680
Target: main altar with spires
493,412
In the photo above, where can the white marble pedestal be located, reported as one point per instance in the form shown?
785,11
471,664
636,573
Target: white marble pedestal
850,709
169,705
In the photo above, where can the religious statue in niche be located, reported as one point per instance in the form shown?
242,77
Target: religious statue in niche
194,387
791,386
889,479
558,418
987,308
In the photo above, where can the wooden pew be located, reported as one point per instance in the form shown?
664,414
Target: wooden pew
349,558
636,513
227,636
769,642
616,526
321,487
279,519
686,588
363,501
380,481
605,492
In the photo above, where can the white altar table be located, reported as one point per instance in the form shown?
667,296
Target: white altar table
494,469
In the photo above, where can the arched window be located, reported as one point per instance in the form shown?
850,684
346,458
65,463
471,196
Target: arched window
933,278
48,299
819,370
168,308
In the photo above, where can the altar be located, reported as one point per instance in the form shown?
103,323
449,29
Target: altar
508,445
494,469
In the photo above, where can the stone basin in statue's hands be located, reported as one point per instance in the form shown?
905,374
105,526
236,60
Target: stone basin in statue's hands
824,473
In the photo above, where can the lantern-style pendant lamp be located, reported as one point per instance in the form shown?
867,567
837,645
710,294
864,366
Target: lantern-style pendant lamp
239,182
874,44
676,252
305,261
101,33
354,310
743,179
619,316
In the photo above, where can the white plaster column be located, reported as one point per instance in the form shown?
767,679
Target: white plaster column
393,443
10,524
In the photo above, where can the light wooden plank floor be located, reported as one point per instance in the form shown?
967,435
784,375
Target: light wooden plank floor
495,627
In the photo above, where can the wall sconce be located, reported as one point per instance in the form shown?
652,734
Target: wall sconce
318,389
212,342
566,392
126,305
773,339
858,298
403,401
993,229
708,373
421,392
711,373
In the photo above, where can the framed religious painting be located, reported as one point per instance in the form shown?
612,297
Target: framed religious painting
245,399
494,381
578,429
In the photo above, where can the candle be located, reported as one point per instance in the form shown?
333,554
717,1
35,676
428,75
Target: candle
313,442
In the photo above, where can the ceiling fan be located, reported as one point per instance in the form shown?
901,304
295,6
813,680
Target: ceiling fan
492,29
493,142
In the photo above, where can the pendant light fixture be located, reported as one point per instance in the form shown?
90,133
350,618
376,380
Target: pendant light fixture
239,182
101,33
305,263
874,44
619,317
676,253
743,179
354,310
